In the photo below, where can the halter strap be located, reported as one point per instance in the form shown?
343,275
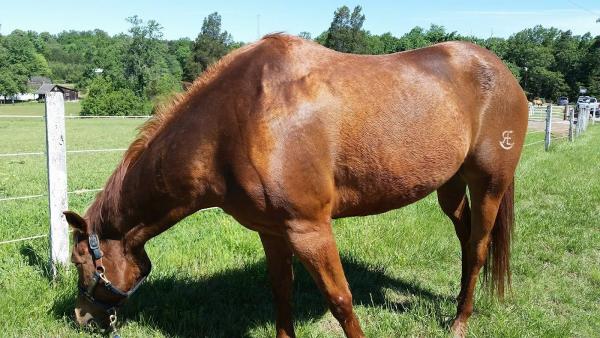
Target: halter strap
99,277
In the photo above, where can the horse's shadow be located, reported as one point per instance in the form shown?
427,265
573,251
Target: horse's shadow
231,303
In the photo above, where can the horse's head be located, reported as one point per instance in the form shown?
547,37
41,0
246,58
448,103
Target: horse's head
110,270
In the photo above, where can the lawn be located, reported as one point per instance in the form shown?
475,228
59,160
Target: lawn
209,275
36,108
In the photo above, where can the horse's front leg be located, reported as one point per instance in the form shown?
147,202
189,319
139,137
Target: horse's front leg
279,261
313,243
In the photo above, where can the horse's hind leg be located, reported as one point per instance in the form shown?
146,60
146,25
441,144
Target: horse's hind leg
486,195
453,200
314,244
279,261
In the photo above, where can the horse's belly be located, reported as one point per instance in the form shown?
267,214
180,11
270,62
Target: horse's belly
386,180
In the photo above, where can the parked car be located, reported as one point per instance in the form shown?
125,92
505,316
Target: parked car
563,101
595,106
589,102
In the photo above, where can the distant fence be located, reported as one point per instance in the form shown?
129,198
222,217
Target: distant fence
560,122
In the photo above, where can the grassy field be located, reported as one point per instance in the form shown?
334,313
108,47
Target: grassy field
36,108
209,276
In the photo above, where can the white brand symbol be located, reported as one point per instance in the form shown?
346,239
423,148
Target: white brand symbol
507,142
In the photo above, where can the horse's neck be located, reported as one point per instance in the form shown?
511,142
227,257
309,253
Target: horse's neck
155,194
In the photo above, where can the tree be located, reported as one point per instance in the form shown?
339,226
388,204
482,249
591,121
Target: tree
18,62
416,38
305,35
181,49
345,34
211,44
143,58
105,100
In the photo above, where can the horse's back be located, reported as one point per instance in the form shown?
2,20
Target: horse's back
365,134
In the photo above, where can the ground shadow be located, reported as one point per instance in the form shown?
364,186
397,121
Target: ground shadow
36,261
230,303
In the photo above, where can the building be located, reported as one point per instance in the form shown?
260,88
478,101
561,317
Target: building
68,93
36,82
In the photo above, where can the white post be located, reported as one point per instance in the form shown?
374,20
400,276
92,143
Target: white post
57,179
571,113
548,127
578,129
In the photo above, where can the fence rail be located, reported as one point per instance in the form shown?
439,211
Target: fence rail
81,117
80,151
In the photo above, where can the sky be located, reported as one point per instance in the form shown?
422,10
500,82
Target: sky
247,20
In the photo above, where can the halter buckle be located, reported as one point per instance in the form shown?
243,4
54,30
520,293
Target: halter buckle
95,246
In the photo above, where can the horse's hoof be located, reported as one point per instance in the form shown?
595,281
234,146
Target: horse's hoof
458,329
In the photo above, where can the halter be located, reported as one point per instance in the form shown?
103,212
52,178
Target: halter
99,276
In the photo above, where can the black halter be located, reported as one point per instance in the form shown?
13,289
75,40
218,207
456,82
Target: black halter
99,276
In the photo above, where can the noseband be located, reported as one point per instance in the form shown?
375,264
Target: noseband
99,278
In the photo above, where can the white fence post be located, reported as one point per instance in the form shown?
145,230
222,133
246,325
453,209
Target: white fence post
548,127
571,113
57,179
578,129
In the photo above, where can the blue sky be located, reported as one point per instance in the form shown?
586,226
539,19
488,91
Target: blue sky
184,18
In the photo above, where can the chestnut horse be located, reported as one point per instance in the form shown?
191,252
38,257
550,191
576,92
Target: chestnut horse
285,135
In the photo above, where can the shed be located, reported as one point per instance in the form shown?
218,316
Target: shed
68,93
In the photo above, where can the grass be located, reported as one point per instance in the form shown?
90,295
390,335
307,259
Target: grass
36,108
209,277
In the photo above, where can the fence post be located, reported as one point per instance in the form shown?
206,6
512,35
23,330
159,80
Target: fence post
57,179
571,122
578,129
548,127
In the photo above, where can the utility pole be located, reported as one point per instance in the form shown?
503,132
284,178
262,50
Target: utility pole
257,26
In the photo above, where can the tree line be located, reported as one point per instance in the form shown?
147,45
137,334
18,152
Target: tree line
129,73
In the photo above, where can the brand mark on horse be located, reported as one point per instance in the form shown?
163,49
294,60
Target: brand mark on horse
507,142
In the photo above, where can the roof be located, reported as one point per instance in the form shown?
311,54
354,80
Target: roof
48,87
39,80
45,88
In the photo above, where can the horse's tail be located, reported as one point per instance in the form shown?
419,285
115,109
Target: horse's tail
496,270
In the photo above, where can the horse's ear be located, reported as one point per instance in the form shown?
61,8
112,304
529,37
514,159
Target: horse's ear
76,221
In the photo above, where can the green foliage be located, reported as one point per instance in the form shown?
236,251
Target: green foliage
143,59
210,45
305,35
19,60
105,100
547,62
345,33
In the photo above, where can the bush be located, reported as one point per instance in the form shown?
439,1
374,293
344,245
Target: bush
104,100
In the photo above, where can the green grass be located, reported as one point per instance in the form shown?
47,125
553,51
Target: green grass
209,276
36,108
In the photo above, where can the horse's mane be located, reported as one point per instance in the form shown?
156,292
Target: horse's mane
107,201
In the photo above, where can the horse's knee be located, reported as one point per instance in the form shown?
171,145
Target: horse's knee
341,306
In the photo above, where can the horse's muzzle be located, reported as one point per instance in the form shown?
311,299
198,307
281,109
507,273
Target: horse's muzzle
86,314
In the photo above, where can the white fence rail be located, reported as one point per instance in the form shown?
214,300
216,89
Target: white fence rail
560,122
57,194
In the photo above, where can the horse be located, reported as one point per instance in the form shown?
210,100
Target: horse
285,135
538,102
